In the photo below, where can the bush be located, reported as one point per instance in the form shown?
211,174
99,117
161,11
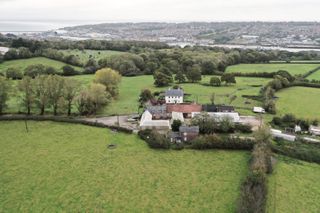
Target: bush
216,142
69,71
14,74
253,194
154,139
176,125
244,128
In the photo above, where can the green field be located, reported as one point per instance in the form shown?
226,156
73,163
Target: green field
301,101
85,55
68,168
294,187
131,87
314,76
294,69
23,63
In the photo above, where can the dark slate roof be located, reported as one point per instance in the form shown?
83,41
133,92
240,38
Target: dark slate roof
215,108
159,109
174,92
209,108
190,129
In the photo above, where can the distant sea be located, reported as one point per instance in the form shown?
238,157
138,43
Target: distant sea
38,26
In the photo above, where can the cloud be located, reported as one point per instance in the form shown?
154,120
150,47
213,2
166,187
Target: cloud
164,10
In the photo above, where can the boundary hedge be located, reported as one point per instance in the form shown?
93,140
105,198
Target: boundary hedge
62,120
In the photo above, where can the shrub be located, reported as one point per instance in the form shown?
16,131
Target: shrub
69,71
244,128
176,125
154,139
14,74
216,142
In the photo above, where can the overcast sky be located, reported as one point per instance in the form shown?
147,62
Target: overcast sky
161,10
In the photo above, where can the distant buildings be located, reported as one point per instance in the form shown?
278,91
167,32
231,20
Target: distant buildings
314,130
278,134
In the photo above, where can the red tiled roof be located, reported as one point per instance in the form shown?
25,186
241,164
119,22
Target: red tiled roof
184,108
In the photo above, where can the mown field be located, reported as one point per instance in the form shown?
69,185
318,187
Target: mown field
62,167
85,55
23,63
131,87
301,101
294,69
294,187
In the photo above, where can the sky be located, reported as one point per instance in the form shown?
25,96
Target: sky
160,10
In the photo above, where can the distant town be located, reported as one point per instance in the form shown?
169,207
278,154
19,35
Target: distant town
264,35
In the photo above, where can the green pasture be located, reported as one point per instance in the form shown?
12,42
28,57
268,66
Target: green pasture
68,168
294,69
24,63
303,102
294,187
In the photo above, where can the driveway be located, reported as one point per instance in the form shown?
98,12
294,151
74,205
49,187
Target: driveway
113,121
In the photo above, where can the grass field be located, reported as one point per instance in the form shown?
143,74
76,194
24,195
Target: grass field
294,187
84,55
131,87
68,168
23,63
301,101
314,76
294,69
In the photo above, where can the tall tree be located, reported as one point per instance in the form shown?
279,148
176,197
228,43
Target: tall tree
99,96
194,73
70,91
55,90
110,79
26,87
162,79
41,90
228,78
5,87
180,77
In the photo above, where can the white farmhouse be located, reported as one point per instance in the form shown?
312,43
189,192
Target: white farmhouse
174,96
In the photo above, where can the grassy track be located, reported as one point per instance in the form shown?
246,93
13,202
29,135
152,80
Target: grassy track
68,168
95,54
302,102
23,63
294,187
294,69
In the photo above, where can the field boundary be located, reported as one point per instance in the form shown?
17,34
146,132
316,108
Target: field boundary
311,72
63,120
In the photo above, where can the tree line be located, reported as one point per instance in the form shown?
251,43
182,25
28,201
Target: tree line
61,94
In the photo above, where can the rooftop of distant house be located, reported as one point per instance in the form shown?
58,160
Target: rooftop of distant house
174,92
